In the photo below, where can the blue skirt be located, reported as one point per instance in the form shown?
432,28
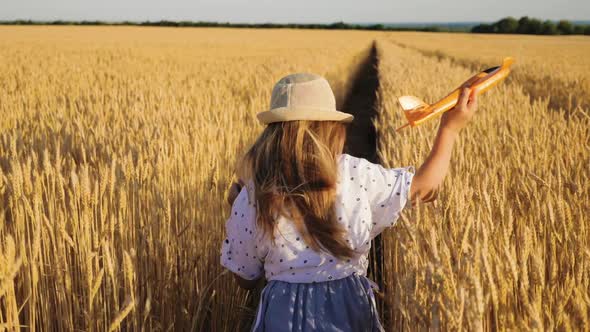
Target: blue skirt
346,304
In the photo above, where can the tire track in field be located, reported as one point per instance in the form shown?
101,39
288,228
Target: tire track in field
361,140
568,96
361,101
359,98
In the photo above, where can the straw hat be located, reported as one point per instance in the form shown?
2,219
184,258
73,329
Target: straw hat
302,96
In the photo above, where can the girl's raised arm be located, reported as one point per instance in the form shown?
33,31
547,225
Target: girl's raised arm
431,174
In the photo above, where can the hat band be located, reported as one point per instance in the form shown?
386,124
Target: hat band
293,113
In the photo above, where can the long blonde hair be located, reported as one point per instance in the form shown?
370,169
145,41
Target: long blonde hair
293,166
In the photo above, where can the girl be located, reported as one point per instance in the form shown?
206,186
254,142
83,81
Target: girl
306,213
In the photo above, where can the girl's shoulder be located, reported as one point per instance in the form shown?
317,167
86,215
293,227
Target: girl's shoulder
366,186
354,165
345,160
365,168
244,206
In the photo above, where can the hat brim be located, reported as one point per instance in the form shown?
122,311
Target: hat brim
282,114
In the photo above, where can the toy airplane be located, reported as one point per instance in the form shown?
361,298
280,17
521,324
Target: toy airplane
417,111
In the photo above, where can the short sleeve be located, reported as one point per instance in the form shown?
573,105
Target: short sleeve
388,192
239,248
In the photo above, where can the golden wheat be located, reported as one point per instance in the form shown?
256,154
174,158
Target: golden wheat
509,252
117,146
551,68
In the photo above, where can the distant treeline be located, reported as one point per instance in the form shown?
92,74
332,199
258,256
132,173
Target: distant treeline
524,25
532,26
332,26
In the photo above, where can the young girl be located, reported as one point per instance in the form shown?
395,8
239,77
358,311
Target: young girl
306,213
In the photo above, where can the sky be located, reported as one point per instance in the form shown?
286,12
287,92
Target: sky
294,11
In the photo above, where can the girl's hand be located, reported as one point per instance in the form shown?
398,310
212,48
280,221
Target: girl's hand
431,174
457,118
234,191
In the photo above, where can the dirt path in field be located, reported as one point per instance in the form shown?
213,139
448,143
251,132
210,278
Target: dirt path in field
361,102
361,140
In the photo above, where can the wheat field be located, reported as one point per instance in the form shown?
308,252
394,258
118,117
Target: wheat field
117,145
507,245
555,69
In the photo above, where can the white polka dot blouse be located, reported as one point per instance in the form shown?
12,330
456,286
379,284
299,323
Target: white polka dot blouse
369,199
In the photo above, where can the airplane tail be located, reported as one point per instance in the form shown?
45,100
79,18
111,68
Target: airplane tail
409,103
507,62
